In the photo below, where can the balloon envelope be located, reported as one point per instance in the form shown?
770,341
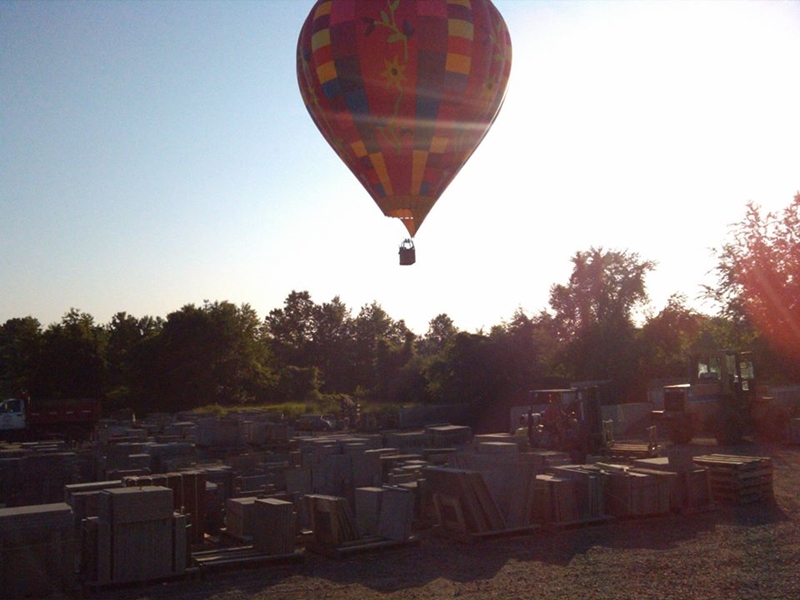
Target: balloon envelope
404,91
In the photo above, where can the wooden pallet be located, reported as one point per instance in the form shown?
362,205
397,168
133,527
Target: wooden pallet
240,557
466,537
738,479
578,523
364,545
92,587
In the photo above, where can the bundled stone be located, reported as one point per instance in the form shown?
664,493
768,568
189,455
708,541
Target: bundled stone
37,550
137,537
274,526
738,479
37,477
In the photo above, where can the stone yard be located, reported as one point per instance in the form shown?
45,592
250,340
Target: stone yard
198,510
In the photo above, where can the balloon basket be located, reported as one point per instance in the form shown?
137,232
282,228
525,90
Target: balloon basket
408,254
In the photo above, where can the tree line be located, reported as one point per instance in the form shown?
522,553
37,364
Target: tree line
220,353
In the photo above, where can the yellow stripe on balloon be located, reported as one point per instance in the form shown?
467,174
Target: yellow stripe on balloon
460,28
383,174
323,9
439,144
458,63
359,149
321,39
326,72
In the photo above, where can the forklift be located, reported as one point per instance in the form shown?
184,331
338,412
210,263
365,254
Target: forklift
572,422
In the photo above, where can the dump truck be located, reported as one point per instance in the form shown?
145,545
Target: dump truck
720,399
66,419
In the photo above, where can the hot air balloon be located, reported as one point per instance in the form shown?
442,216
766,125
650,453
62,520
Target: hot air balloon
404,91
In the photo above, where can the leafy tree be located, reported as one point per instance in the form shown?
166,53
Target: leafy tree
290,329
332,346
523,351
20,345
668,339
391,360
72,361
210,354
371,325
467,372
593,315
605,286
126,334
758,280
441,331
298,383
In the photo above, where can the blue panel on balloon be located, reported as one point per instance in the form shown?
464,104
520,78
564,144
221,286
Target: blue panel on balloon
332,88
356,101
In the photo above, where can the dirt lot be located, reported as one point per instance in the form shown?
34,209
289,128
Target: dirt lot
742,552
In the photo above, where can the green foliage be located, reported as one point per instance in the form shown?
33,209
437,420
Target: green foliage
604,287
298,383
208,354
758,282
321,358
71,362
441,331
593,317
20,345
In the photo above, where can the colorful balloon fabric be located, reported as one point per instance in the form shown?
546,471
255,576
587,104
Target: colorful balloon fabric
404,91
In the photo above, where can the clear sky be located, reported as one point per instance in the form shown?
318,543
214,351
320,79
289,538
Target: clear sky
155,154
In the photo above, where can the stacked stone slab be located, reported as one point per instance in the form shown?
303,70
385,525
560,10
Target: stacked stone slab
396,514
449,436
222,432
172,456
35,476
554,500
188,496
332,522
266,433
274,526
368,509
137,537
691,488
738,479
508,474
633,493
590,489
239,518
385,512
462,501
118,458
408,441
336,465
37,551
85,498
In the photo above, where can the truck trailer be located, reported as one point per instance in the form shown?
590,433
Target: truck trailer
23,419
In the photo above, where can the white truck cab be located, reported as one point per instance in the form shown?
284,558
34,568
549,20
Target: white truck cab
12,414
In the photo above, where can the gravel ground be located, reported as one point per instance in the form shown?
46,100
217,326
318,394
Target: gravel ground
750,552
